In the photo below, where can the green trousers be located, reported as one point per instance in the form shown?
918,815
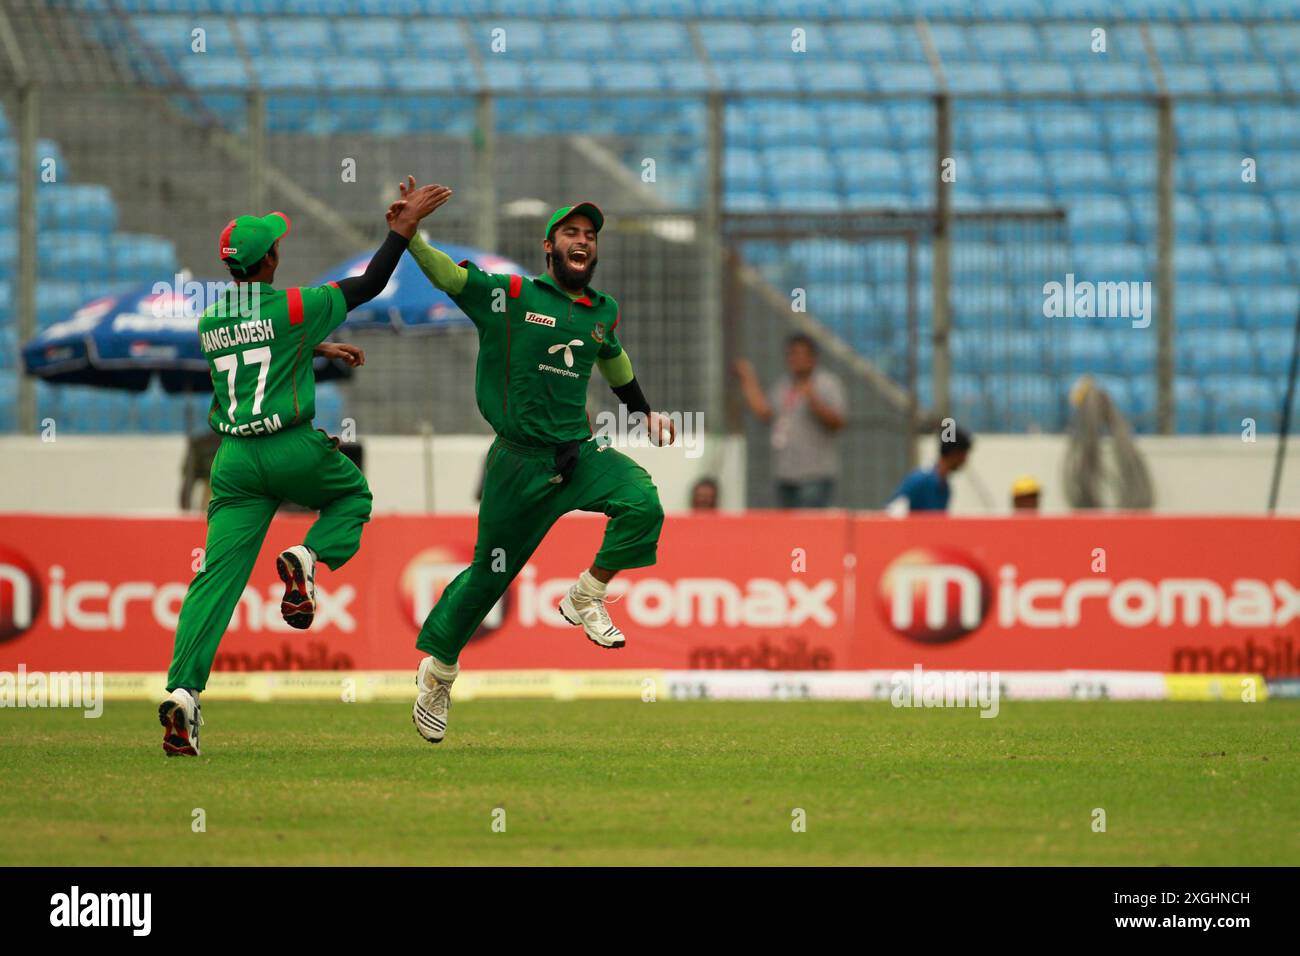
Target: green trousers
520,504
250,479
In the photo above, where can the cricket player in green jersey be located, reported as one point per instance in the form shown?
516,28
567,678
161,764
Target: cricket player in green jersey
539,340
259,343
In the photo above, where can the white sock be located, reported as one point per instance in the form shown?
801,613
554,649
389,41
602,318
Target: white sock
445,672
589,586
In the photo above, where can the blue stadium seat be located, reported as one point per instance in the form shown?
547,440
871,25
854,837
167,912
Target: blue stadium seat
1039,78
1272,125
1273,351
1189,220
808,167
71,207
1110,262
1064,128
688,75
141,258
1281,41
1003,171
1135,349
1215,42
1212,125
78,256
997,126
213,70
881,169
274,73
1209,171
309,36
1004,41
854,124
967,78
653,39
1215,352
1269,307
1205,306
950,41
344,73
1277,169
56,301
430,73
914,123
901,77
1256,264
834,77
1248,79
878,41
743,169
755,75
1238,218
372,36
1081,171
1093,350
1234,398
438,37
1100,219
1194,264
724,40
1286,207
1114,77
1185,78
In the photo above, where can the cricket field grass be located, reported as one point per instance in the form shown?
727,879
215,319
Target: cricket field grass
668,783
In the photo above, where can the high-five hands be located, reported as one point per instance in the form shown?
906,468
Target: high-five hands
417,202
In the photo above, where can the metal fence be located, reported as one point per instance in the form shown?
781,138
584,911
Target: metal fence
901,281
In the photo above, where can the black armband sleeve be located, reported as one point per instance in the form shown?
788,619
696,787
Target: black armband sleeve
630,395
358,290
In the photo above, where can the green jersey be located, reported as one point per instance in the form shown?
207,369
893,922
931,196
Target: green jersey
537,347
258,342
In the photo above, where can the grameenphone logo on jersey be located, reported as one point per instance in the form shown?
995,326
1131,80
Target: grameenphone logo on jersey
934,595
21,594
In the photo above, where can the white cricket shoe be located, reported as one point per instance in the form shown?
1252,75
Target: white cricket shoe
181,718
432,703
589,612
297,569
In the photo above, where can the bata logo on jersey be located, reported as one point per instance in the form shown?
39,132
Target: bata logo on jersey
538,319
934,595
93,605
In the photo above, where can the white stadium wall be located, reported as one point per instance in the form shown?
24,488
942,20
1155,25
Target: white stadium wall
140,474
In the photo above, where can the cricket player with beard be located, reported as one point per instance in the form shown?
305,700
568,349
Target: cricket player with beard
259,341
539,340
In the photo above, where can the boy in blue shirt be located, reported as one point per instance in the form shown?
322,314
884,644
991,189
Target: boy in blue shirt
929,490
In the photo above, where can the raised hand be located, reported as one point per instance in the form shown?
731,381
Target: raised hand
417,202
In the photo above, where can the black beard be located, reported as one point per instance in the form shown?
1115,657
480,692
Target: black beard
570,278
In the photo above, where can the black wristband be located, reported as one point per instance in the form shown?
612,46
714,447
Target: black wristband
630,395
358,290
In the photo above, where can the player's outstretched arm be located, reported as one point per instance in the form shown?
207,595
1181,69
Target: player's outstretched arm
402,226
438,267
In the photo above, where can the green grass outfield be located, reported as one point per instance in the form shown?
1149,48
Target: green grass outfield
659,783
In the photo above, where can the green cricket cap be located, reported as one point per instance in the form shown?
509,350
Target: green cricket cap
585,208
248,238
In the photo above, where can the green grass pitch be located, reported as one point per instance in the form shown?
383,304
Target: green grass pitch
659,783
